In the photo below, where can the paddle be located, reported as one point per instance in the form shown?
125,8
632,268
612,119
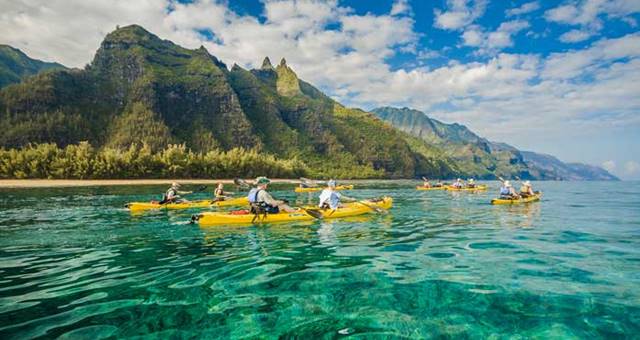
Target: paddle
315,213
311,182
376,209
200,189
241,183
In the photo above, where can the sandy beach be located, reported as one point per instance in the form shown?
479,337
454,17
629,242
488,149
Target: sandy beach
53,183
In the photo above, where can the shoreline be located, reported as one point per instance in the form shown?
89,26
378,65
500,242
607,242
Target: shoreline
61,183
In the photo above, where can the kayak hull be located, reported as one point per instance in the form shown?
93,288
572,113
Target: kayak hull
500,201
142,206
477,188
339,187
419,187
349,209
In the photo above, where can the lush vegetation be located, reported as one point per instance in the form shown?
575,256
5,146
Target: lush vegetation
15,65
82,161
142,90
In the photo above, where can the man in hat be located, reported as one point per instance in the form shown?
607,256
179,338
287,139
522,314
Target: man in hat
507,191
173,194
330,198
261,199
526,190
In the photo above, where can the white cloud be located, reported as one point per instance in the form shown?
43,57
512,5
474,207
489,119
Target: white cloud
587,14
459,14
491,42
524,9
575,36
401,7
609,165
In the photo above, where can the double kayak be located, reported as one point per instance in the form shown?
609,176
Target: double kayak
141,206
246,217
339,187
420,187
476,188
533,198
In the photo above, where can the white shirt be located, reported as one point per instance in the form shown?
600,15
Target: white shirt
330,197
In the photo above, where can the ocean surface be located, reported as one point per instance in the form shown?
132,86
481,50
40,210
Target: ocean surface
75,264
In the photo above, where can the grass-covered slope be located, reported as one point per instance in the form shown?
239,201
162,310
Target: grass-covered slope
15,65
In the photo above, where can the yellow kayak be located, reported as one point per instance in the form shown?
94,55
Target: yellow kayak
140,206
245,217
477,188
339,187
533,198
420,187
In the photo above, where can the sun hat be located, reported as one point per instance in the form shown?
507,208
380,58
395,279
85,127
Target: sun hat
470,180
507,183
175,185
262,180
331,183
527,183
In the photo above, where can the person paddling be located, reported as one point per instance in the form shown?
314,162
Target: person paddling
330,198
526,190
262,201
507,191
426,183
173,194
471,183
458,184
220,194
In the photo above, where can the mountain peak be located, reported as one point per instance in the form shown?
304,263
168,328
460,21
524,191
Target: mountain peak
266,64
287,84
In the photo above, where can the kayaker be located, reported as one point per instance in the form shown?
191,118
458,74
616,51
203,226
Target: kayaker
526,190
261,200
439,184
507,191
220,194
471,183
330,198
458,184
173,194
426,184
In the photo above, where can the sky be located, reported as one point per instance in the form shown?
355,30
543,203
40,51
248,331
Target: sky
558,77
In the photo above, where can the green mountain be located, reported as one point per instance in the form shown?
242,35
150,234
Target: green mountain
474,155
479,157
142,89
550,168
15,65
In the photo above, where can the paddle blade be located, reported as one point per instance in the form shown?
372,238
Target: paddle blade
317,214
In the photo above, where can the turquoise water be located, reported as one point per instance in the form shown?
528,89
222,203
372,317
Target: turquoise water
74,264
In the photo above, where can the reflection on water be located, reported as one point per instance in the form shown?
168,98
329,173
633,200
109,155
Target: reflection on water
75,264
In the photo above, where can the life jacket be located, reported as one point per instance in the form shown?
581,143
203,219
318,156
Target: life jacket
253,195
170,195
258,207
219,192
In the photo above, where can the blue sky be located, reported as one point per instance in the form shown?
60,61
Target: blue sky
559,77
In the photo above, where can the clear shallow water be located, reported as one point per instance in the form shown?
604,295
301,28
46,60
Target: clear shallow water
74,264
